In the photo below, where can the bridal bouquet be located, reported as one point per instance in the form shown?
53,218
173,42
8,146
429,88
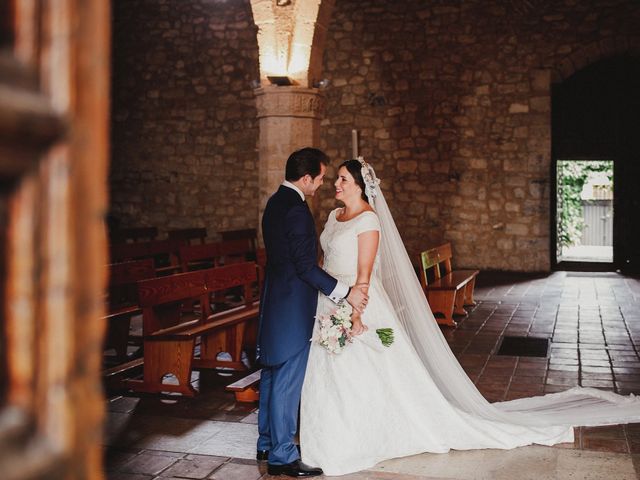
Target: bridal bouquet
335,330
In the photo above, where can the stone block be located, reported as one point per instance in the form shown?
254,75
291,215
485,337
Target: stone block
518,229
518,108
540,104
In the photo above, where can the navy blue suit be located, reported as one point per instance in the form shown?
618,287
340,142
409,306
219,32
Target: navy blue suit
287,311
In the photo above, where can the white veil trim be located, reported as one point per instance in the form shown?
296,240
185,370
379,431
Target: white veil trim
575,407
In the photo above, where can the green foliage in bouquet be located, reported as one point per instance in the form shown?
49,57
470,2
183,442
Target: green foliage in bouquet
385,335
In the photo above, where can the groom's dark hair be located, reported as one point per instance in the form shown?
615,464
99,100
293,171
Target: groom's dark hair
305,161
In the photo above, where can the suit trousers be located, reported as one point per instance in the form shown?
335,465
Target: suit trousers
280,390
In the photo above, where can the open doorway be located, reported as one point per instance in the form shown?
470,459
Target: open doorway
584,216
595,119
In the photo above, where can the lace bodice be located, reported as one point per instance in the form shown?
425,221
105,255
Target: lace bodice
339,241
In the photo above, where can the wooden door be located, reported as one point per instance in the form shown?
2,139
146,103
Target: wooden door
54,84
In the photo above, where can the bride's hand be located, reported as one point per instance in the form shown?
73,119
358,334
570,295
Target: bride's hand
357,327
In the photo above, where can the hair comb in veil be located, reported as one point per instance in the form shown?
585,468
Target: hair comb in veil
371,182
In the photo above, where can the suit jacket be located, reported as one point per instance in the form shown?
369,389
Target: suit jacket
292,280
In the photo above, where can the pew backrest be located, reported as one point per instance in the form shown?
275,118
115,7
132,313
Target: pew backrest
188,234
250,234
162,299
135,234
215,254
122,280
436,260
163,249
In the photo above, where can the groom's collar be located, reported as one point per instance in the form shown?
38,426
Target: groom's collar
292,186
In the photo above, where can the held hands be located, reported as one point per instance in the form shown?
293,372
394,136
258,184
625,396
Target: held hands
357,327
358,297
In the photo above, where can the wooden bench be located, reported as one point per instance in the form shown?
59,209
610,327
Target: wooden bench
164,253
447,290
123,302
208,255
169,334
135,234
247,234
246,388
187,234
251,334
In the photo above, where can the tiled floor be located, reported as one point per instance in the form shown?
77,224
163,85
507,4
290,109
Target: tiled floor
593,321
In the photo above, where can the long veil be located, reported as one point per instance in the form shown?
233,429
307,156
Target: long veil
575,407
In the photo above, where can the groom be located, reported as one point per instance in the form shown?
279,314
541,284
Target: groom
287,309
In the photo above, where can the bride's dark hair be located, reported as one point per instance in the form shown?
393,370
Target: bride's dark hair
354,167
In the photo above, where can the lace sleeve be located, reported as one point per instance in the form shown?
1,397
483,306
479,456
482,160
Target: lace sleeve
367,222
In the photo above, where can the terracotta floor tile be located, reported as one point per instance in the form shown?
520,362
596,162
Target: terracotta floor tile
237,471
148,464
604,384
590,369
596,376
527,380
566,383
498,371
127,476
531,390
560,367
589,362
194,466
555,375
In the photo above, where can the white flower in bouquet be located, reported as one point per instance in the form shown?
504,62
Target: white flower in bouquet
334,331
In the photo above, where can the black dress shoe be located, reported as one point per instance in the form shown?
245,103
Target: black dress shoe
262,455
294,469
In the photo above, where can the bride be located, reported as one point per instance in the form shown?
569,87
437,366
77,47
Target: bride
371,403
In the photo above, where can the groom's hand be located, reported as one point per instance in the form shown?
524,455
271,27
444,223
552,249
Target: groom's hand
358,297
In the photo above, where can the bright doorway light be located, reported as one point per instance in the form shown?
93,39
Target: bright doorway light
584,211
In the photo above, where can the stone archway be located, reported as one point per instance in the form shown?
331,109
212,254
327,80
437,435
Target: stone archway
291,38
592,53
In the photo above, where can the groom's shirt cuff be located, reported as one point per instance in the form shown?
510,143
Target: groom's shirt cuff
339,293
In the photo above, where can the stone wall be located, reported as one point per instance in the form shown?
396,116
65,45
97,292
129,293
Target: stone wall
184,126
452,102
451,99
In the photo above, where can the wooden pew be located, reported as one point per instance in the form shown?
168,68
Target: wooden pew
164,253
238,250
123,302
170,334
246,388
447,290
135,234
249,234
251,334
193,257
186,235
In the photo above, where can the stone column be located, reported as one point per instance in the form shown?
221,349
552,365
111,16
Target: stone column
289,119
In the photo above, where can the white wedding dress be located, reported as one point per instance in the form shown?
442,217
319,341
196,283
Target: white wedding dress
371,403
